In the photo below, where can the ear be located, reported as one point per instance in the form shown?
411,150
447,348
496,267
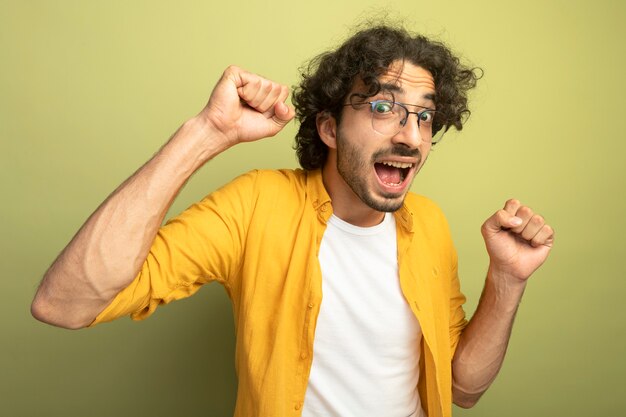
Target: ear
327,129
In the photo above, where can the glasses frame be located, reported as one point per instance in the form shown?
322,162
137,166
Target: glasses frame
403,121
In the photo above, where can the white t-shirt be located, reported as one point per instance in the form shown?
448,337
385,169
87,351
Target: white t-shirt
367,341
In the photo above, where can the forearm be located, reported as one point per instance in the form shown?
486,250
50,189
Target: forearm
484,341
109,249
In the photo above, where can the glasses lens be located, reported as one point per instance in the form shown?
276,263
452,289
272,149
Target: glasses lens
387,116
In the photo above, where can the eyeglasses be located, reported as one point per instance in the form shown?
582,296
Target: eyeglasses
389,117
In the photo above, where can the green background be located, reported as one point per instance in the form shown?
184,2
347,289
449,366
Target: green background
90,90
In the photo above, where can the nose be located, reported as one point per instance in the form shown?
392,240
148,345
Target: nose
409,134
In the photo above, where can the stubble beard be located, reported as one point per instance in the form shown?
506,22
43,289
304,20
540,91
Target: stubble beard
355,170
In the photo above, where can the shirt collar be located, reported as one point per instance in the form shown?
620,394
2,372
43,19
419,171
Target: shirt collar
318,196
321,202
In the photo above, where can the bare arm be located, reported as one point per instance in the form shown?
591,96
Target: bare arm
518,242
109,249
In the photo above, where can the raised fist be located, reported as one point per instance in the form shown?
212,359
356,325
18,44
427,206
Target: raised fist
245,107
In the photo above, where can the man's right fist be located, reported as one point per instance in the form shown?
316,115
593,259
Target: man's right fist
245,107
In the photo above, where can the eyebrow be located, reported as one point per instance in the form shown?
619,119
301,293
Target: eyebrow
395,88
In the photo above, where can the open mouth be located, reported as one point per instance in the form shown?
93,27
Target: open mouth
392,173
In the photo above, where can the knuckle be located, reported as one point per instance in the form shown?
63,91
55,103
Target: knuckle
231,69
525,211
512,201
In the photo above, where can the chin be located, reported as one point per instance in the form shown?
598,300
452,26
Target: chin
384,204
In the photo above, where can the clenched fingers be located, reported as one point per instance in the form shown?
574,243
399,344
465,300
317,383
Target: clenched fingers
260,93
522,221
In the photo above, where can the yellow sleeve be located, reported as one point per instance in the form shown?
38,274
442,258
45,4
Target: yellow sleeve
457,299
204,243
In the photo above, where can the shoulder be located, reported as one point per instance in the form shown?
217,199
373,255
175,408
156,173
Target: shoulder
271,188
264,180
281,177
422,206
273,183
257,192
427,215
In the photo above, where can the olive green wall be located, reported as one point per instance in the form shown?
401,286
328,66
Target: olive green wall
89,90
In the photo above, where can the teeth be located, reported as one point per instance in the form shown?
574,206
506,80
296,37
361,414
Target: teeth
398,164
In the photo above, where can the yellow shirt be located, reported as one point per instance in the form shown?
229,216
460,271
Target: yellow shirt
259,236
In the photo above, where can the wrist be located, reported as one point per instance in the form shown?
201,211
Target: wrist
508,289
200,140
208,132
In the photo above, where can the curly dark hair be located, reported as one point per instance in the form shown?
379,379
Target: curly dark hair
329,78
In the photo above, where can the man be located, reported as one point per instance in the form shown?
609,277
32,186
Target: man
344,284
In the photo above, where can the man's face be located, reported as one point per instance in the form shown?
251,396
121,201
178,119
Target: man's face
379,168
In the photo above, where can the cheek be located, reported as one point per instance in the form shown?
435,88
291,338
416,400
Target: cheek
356,125
424,151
